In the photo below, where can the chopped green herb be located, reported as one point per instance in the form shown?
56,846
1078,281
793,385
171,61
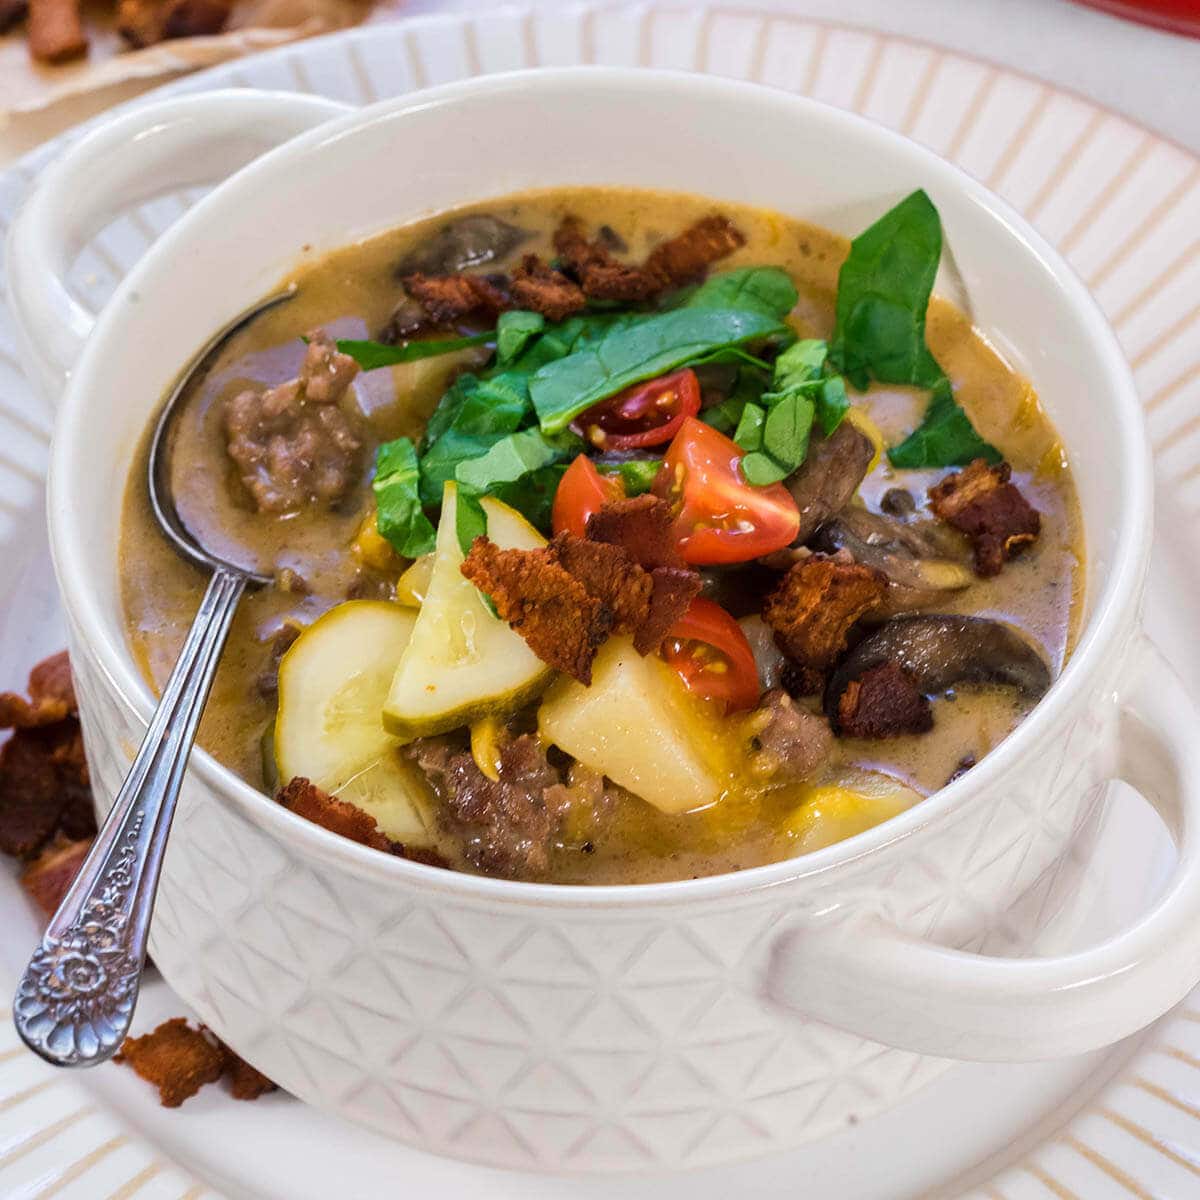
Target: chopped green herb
373,355
638,474
761,469
749,433
786,431
400,516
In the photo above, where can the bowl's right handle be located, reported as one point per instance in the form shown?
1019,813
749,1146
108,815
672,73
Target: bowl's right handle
149,151
865,976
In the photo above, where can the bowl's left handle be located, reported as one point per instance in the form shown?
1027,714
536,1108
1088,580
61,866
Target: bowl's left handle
151,150
868,977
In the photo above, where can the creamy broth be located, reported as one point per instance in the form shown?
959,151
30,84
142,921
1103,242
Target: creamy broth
351,293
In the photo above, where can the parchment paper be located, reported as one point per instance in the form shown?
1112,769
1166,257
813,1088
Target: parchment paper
26,86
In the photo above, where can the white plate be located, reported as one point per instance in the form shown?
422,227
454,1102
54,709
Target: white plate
1124,205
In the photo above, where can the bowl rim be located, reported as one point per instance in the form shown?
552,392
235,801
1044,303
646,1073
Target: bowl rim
1114,608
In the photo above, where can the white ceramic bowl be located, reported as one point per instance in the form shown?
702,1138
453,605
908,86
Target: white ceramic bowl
673,1024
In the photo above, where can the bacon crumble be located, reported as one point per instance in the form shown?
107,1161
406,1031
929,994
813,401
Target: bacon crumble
566,598
812,611
642,525
48,876
541,288
177,1057
302,797
883,702
983,502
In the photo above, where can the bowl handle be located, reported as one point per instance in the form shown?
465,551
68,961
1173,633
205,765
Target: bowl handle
867,977
150,150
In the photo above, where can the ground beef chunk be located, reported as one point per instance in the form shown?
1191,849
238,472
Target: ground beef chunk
267,683
983,503
449,298
567,598
685,257
600,275
563,623
544,290
505,825
48,877
883,702
790,742
307,800
813,609
643,525
178,1058
294,444
51,696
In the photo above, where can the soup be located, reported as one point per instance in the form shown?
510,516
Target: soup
815,545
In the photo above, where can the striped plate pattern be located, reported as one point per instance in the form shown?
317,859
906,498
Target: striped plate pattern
1120,202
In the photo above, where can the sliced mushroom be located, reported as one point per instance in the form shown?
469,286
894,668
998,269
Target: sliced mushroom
941,651
830,476
469,241
923,560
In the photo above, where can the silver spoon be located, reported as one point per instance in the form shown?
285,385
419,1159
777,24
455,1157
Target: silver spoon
76,998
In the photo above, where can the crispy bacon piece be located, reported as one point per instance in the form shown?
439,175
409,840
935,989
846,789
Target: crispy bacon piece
608,573
43,788
813,609
306,800
145,22
884,702
541,288
600,275
178,1058
985,504
55,30
48,876
642,525
51,696
562,622
674,588
567,598
12,13
449,298
245,1082
685,257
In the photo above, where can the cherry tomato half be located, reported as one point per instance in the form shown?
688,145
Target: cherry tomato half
722,518
708,649
581,492
646,414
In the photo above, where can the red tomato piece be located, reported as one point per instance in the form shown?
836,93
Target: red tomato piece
722,518
581,492
646,414
708,649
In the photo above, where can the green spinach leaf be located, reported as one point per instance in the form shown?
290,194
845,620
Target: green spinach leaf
766,290
749,432
787,429
470,522
883,296
945,437
373,355
514,331
513,457
638,349
400,515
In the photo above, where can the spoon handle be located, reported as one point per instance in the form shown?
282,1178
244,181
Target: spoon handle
76,999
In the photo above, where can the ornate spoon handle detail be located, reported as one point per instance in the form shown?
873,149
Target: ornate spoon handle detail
76,999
